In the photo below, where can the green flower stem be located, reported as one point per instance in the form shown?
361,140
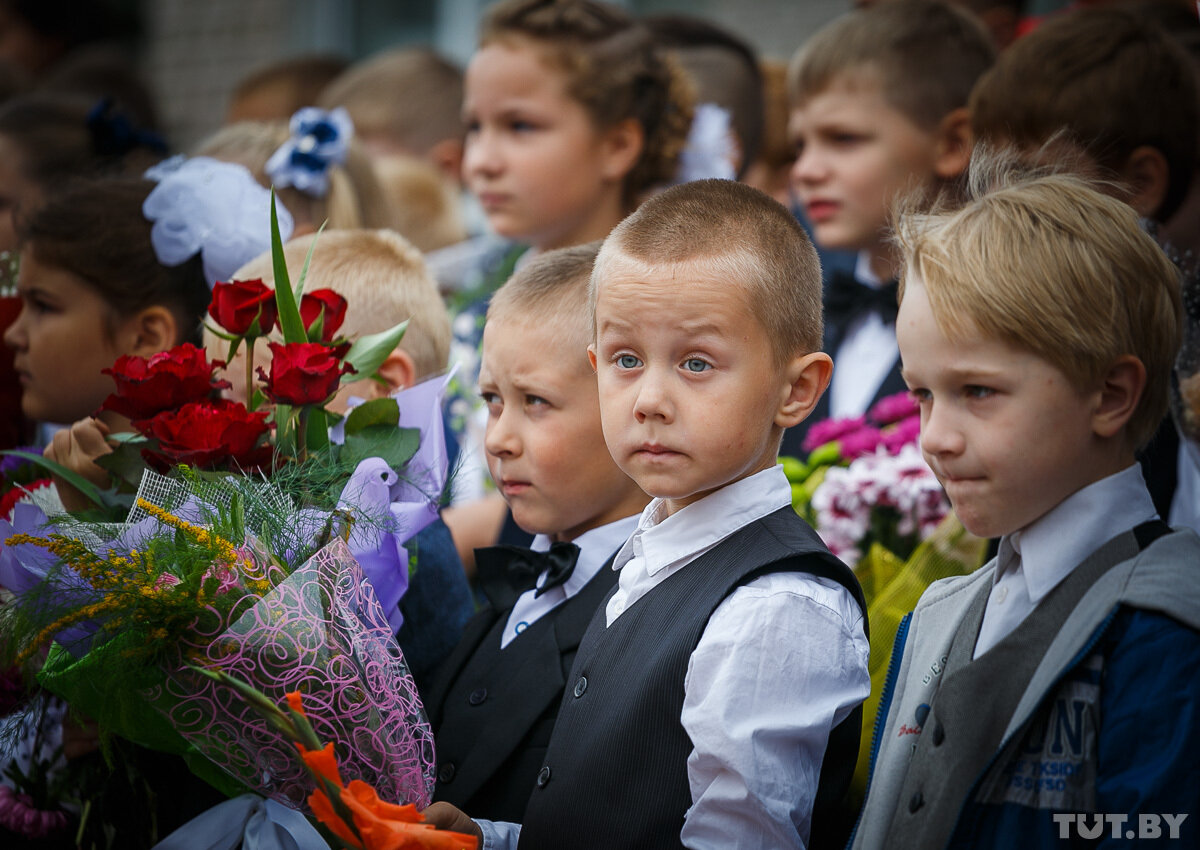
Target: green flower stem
250,340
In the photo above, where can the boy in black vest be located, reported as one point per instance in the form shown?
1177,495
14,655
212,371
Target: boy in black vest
714,701
494,702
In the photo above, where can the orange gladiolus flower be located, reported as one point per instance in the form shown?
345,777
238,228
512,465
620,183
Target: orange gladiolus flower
387,826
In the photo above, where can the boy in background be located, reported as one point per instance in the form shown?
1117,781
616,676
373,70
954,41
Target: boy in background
879,102
496,699
715,698
1038,327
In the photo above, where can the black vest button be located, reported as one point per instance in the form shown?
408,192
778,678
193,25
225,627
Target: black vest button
939,735
580,686
917,801
477,696
543,776
445,773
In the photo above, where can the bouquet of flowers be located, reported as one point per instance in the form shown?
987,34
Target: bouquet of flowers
868,492
239,552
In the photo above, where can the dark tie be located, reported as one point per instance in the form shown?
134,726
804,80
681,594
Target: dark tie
847,299
505,572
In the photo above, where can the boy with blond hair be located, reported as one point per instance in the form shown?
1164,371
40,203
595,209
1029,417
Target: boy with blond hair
878,108
1038,326
384,281
715,698
497,697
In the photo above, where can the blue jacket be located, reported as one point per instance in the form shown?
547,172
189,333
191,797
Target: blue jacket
1129,654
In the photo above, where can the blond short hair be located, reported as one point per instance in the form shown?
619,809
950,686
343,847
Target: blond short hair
741,234
926,55
1047,263
354,199
411,96
551,291
384,281
424,203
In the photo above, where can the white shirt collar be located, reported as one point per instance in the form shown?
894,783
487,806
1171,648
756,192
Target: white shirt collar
595,548
863,273
665,541
1052,546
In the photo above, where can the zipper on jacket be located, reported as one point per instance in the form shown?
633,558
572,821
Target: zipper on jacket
885,704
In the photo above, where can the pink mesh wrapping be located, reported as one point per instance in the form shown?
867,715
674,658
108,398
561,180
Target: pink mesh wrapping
321,632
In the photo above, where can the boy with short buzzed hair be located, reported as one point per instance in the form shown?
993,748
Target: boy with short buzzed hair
715,700
1055,687
878,109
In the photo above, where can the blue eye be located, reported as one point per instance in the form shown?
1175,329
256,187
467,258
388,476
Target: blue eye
628,361
695,364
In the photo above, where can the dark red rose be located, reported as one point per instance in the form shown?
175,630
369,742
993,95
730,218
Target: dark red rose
208,434
334,305
164,381
303,372
244,307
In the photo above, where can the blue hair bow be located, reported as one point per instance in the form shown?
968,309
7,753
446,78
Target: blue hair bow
319,139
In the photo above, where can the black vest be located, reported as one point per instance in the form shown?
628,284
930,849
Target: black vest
493,710
616,770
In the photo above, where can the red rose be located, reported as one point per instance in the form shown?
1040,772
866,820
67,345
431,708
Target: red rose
334,305
304,372
146,386
244,307
207,434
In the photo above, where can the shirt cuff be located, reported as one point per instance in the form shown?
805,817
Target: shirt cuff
499,835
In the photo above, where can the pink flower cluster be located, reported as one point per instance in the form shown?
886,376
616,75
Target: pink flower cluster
849,499
17,813
893,422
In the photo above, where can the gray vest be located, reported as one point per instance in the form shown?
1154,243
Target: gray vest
964,724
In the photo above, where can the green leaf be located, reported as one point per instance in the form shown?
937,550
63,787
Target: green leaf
368,352
125,462
285,299
380,411
394,445
87,488
308,259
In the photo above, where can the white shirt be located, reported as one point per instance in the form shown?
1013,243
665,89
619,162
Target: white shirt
865,356
595,548
1185,504
1034,560
781,662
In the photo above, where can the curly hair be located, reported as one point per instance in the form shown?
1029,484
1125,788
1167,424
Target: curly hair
614,69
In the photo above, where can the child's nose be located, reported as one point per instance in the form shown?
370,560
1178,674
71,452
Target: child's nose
940,435
808,168
653,400
501,438
481,155
14,334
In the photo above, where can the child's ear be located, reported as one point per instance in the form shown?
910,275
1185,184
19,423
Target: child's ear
1119,395
447,157
954,143
622,145
398,372
153,329
807,377
1148,176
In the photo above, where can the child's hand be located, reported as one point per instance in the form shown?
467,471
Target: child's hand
446,816
76,448
80,736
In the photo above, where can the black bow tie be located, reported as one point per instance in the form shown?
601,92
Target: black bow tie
848,299
505,572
